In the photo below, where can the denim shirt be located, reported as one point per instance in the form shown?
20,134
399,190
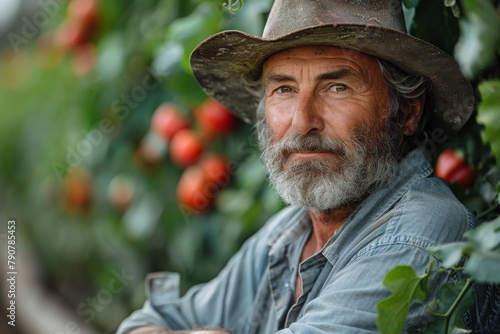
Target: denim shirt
342,283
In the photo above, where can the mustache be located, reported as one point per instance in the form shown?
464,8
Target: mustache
312,142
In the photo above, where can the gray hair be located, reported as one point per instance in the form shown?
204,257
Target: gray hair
403,87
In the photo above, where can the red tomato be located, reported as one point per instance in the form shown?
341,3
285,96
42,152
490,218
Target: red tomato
167,121
447,164
193,194
451,167
77,190
70,35
84,11
185,148
464,176
214,119
80,26
217,170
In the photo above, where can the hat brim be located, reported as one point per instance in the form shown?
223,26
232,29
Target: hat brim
224,62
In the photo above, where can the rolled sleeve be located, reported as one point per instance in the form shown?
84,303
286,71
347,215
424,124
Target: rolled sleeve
147,316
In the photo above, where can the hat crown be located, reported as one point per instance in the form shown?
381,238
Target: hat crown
287,16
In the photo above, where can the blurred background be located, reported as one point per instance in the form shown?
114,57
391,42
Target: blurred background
115,164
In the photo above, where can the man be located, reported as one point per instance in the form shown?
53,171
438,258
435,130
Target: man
339,93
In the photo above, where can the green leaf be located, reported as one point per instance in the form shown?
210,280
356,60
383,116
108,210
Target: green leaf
192,29
194,26
484,266
450,254
488,115
486,236
479,40
439,326
168,58
470,5
406,286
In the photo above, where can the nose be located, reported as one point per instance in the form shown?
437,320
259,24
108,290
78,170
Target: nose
307,116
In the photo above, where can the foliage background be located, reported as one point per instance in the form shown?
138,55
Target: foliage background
48,110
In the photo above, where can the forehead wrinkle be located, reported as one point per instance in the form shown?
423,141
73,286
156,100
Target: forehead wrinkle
278,73
278,78
296,63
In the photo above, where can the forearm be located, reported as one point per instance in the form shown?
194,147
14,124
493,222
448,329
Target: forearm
158,330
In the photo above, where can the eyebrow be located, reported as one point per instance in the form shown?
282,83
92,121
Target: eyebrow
279,78
332,75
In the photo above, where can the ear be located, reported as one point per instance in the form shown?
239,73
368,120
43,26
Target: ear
414,111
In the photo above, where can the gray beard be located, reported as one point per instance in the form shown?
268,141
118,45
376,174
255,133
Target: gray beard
333,183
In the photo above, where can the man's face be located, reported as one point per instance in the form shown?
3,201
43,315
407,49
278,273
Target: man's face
326,139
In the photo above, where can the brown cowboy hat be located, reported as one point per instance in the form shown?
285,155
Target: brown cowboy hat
224,63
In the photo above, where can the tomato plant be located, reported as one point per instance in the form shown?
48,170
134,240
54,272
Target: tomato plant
474,262
107,71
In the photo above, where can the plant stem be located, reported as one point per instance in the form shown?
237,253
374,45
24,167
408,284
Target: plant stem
487,211
447,315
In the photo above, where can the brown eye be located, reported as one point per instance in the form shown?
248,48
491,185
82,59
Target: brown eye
284,90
